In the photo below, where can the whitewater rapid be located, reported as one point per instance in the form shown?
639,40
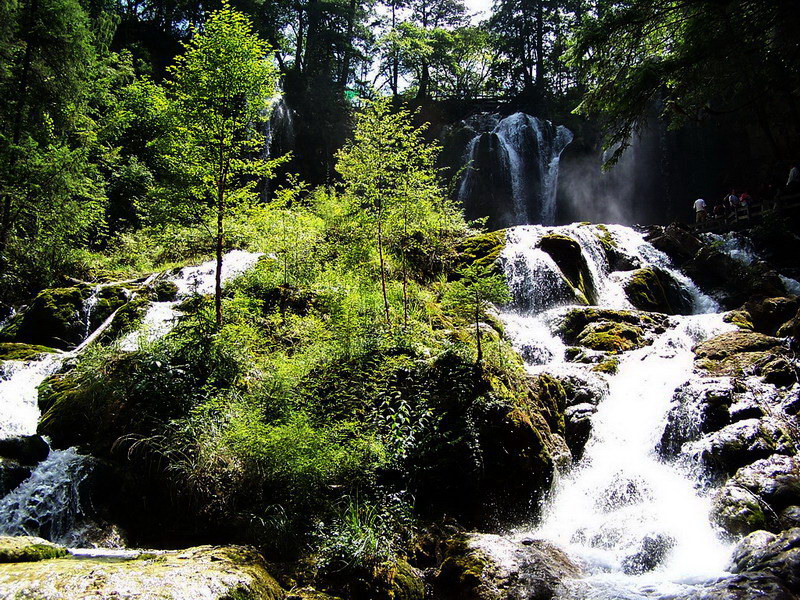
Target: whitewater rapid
639,526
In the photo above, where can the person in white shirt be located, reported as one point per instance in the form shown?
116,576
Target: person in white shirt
700,210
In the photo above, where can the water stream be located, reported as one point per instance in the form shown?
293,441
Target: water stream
639,526
49,502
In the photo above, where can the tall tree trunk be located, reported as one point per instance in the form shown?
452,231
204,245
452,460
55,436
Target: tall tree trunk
220,239
395,76
344,72
478,330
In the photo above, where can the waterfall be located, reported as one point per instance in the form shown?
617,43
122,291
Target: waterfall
51,502
639,525
512,170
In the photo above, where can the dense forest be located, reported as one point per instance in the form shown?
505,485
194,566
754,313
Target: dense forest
346,396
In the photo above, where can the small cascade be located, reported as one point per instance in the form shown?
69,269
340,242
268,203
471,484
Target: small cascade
512,170
51,503
200,279
639,526
48,503
19,380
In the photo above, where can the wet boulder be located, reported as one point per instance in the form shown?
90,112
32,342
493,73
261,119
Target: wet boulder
778,555
27,450
676,240
610,330
164,290
578,427
483,249
492,567
698,407
769,314
567,254
652,551
55,318
757,494
11,475
740,444
735,352
212,573
24,352
747,586
653,289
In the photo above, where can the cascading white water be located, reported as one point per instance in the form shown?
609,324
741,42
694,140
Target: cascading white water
527,150
200,279
639,525
48,503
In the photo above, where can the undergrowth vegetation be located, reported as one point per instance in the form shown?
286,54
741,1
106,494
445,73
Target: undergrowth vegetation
344,397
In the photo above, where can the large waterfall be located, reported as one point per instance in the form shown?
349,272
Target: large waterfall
512,170
50,502
638,525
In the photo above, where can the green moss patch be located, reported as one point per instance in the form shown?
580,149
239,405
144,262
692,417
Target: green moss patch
16,549
483,249
17,351
655,290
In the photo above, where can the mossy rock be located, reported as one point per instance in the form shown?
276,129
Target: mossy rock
740,318
483,249
55,318
17,351
736,352
405,583
768,315
165,290
567,254
17,549
127,319
612,337
202,572
609,366
574,322
653,289
10,330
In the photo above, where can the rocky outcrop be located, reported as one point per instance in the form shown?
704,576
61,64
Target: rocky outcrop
735,352
758,495
768,315
611,331
776,555
653,289
55,318
676,240
492,567
567,254
212,573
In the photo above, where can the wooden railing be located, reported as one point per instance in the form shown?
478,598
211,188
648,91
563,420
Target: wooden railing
743,217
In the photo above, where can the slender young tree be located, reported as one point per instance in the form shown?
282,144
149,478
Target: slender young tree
473,294
221,91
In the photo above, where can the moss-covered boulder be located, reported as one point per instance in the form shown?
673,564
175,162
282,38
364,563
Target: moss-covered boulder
25,449
55,318
757,494
655,290
768,315
676,240
18,549
127,319
105,301
567,254
735,352
212,573
164,290
491,567
17,351
581,325
483,249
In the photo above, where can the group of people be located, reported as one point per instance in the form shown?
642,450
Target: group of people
733,201
723,207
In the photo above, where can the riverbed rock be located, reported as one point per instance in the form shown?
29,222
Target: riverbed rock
610,330
756,495
27,450
769,314
211,573
652,551
742,443
653,289
777,555
676,240
578,427
55,318
18,549
18,351
567,254
746,586
482,566
698,407
11,475
735,352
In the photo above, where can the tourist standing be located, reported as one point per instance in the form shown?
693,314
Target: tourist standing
700,210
